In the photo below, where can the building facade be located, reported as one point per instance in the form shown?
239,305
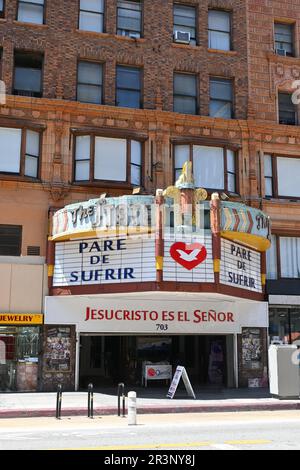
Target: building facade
107,96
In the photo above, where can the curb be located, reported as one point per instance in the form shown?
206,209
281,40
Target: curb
110,411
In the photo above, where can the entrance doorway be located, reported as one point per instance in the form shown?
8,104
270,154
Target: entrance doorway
107,360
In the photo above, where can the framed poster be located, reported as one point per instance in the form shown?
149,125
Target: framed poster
58,350
251,348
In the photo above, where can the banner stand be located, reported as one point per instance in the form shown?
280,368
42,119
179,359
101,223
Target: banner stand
180,372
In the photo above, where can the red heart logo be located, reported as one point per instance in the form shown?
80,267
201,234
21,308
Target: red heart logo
189,256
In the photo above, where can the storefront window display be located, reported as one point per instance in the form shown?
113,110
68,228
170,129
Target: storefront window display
19,358
284,325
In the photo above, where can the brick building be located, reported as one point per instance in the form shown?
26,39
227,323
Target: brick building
154,83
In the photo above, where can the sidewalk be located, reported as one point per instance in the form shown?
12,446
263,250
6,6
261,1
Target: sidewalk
149,400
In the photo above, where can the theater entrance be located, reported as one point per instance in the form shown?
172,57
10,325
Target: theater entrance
107,360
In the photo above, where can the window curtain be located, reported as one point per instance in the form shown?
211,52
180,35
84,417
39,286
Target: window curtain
272,259
208,163
290,257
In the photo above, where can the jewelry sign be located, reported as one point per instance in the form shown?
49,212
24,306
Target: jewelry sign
240,266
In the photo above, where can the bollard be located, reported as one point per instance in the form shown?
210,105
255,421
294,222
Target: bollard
58,401
121,387
123,404
131,404
90,401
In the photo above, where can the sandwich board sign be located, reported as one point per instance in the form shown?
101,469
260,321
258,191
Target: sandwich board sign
180,372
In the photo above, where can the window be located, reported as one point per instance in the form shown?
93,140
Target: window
219,30
91,15
284,42
288,176
31,11
128,87
185,93
16,158
287,171
89,82
2,5
289,257
284,324
10,240
185,21
221,98
106,159
129,21
213,167
268,175
28,74
287,110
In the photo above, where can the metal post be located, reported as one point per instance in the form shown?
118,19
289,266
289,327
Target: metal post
58,401
90,401
121,388
123,403
132,408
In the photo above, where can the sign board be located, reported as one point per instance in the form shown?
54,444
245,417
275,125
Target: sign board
180,372
157,372
237,217
21,319
120,214
188,258
240,266
161,314
104,261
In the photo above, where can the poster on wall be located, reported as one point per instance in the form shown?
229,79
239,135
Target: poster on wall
58,350
251,348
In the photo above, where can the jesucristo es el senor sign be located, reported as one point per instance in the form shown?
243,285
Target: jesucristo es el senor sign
143,242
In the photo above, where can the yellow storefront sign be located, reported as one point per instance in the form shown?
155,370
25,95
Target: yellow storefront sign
21,319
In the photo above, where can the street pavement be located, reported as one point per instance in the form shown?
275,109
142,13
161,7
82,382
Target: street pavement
264,430
150,400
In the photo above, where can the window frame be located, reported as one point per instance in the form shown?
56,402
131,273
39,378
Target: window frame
21,175
111,135
96,13
32,3
276,194
294,107
196,76
225,147
293,43
279,235
42,73
141,32
2,12
196,8
232,102
102,64
20,240
141,90
230,12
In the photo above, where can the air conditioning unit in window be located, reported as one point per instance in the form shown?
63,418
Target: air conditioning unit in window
280,52
134,35
182,37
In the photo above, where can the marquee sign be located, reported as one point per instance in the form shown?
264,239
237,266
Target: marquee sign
240,266
104,261
123,314
188,259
